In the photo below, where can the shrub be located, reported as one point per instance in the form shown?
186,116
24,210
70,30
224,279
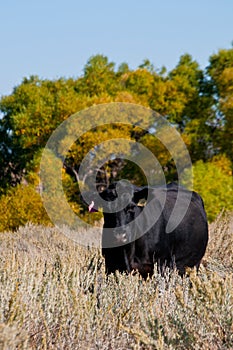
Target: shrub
213,181
54,295
21,205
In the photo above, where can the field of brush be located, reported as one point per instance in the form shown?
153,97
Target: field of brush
54,295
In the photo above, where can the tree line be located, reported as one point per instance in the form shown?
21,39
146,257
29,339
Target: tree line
197,102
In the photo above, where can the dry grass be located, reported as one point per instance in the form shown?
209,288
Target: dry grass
54,295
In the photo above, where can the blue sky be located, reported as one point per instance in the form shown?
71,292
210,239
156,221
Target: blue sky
53,38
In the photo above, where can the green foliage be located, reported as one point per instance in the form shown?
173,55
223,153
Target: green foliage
213,180
99,77
21,205
220,71
141,82
198,103
31,113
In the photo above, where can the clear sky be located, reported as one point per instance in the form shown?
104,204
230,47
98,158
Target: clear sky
54,38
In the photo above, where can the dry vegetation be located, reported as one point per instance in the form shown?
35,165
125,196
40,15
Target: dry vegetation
54,295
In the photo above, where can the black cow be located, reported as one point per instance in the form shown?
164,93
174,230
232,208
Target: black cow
170,228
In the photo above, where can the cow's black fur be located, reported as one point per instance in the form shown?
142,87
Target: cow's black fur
129,249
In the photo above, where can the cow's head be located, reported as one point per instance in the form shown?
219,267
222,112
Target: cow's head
121,203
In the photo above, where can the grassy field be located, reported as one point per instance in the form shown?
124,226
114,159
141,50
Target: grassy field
54,295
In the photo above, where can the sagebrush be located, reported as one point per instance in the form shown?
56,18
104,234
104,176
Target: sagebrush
55,295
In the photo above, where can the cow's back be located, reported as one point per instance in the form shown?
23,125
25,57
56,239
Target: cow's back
186,243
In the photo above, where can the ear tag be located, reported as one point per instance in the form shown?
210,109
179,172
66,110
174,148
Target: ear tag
91,208
141,203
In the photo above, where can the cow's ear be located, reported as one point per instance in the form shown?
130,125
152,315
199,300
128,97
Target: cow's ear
108,194
141,195
94,200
